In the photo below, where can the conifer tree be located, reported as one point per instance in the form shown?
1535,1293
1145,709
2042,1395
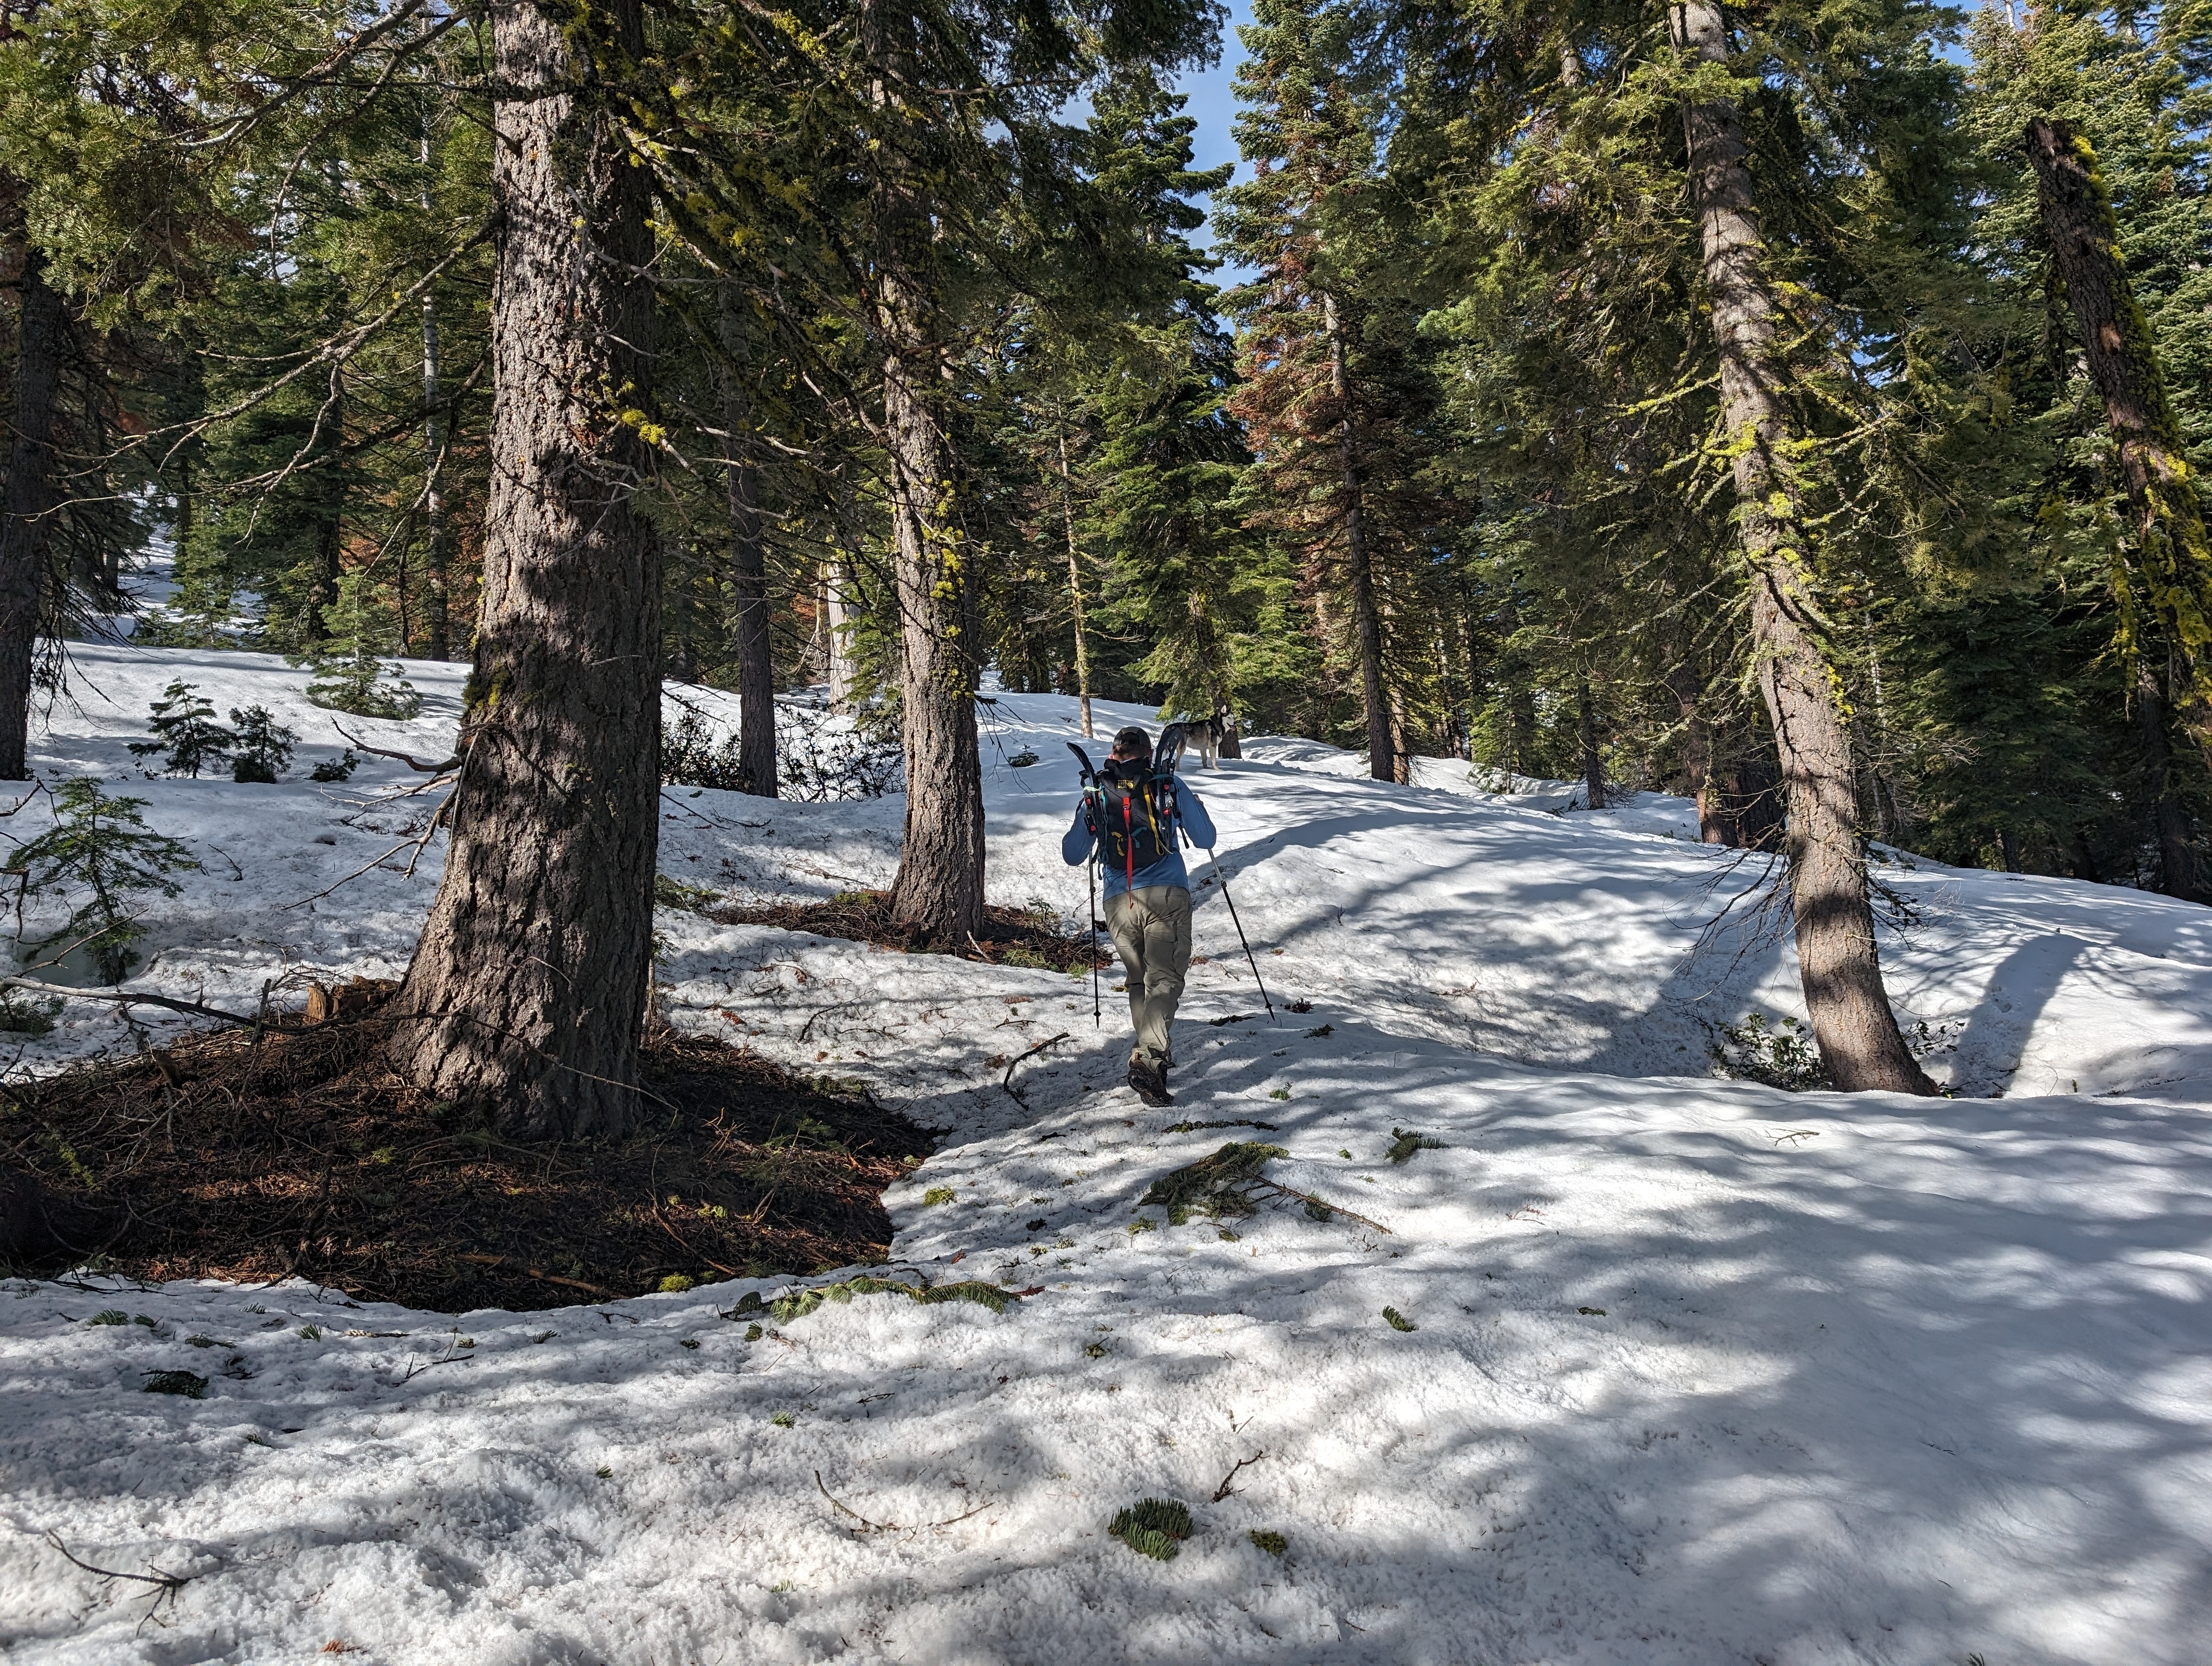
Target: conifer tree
1331,394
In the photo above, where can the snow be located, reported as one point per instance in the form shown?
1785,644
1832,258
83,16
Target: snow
1702,1370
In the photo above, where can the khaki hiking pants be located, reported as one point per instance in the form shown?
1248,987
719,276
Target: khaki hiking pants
1150,930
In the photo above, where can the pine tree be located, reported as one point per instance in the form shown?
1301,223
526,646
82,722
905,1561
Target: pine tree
99,855
187,736
261,746
1331,396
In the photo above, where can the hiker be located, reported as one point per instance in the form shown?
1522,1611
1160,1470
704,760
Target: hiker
1147,891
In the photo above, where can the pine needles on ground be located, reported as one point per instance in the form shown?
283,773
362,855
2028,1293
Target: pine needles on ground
1230,1184
800,1303
1405,1142
1216,1186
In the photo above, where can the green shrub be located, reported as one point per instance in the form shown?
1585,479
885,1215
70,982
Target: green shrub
1780,1053
1153,1527
186,738
1274,1543
97,854
262,746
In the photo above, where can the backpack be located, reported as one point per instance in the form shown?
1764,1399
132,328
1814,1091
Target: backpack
1135,818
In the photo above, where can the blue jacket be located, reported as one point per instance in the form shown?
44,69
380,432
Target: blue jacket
1077,847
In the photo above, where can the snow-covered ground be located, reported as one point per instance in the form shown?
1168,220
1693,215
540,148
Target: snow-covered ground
1701,1371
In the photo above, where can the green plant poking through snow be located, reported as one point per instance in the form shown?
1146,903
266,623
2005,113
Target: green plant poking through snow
1154,1528
185,736
262,746
1779,1053
349,676
97,856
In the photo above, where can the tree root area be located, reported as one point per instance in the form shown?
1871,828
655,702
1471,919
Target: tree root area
297,1152
1010,936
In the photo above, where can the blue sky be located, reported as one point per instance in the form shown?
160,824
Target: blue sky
1213,105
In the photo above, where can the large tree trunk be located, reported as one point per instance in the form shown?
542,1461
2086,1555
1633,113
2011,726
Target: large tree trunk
528,990
1366,613
938,892
837,616
1836,951
1075,582
1593,759
2176,855
2171,548
1715,824
27,507
748,571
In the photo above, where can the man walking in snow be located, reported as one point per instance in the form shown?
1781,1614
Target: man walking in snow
1132,821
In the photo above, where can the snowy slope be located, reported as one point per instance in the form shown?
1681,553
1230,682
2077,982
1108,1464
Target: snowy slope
1702,1371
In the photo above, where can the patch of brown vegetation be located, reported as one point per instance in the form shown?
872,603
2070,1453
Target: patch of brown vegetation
1010,936
254,1157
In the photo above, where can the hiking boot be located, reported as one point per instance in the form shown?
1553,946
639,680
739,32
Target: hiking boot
1150,1082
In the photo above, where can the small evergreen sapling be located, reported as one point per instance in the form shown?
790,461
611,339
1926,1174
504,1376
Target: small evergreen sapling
349,676
264,746
187,736
96,855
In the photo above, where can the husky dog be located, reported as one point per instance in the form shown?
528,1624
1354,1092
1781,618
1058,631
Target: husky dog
1212,738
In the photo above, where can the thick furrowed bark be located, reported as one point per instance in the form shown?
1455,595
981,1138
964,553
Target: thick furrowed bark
1836,954
938,891
528,988
2177,855
27,508
1593,760
1366,615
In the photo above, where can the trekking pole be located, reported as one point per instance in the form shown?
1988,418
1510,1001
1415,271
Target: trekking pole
1239,924
1091,937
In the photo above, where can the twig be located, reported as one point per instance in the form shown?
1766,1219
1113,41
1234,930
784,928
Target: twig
415,1370
1007,1080
126,998
550,1278
378,862
165,1585
893,1527
1321,1202
727,1272
416,765
1225,1489
835,1502
821,1012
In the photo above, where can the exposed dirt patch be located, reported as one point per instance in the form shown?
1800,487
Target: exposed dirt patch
1010,936
237,1157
